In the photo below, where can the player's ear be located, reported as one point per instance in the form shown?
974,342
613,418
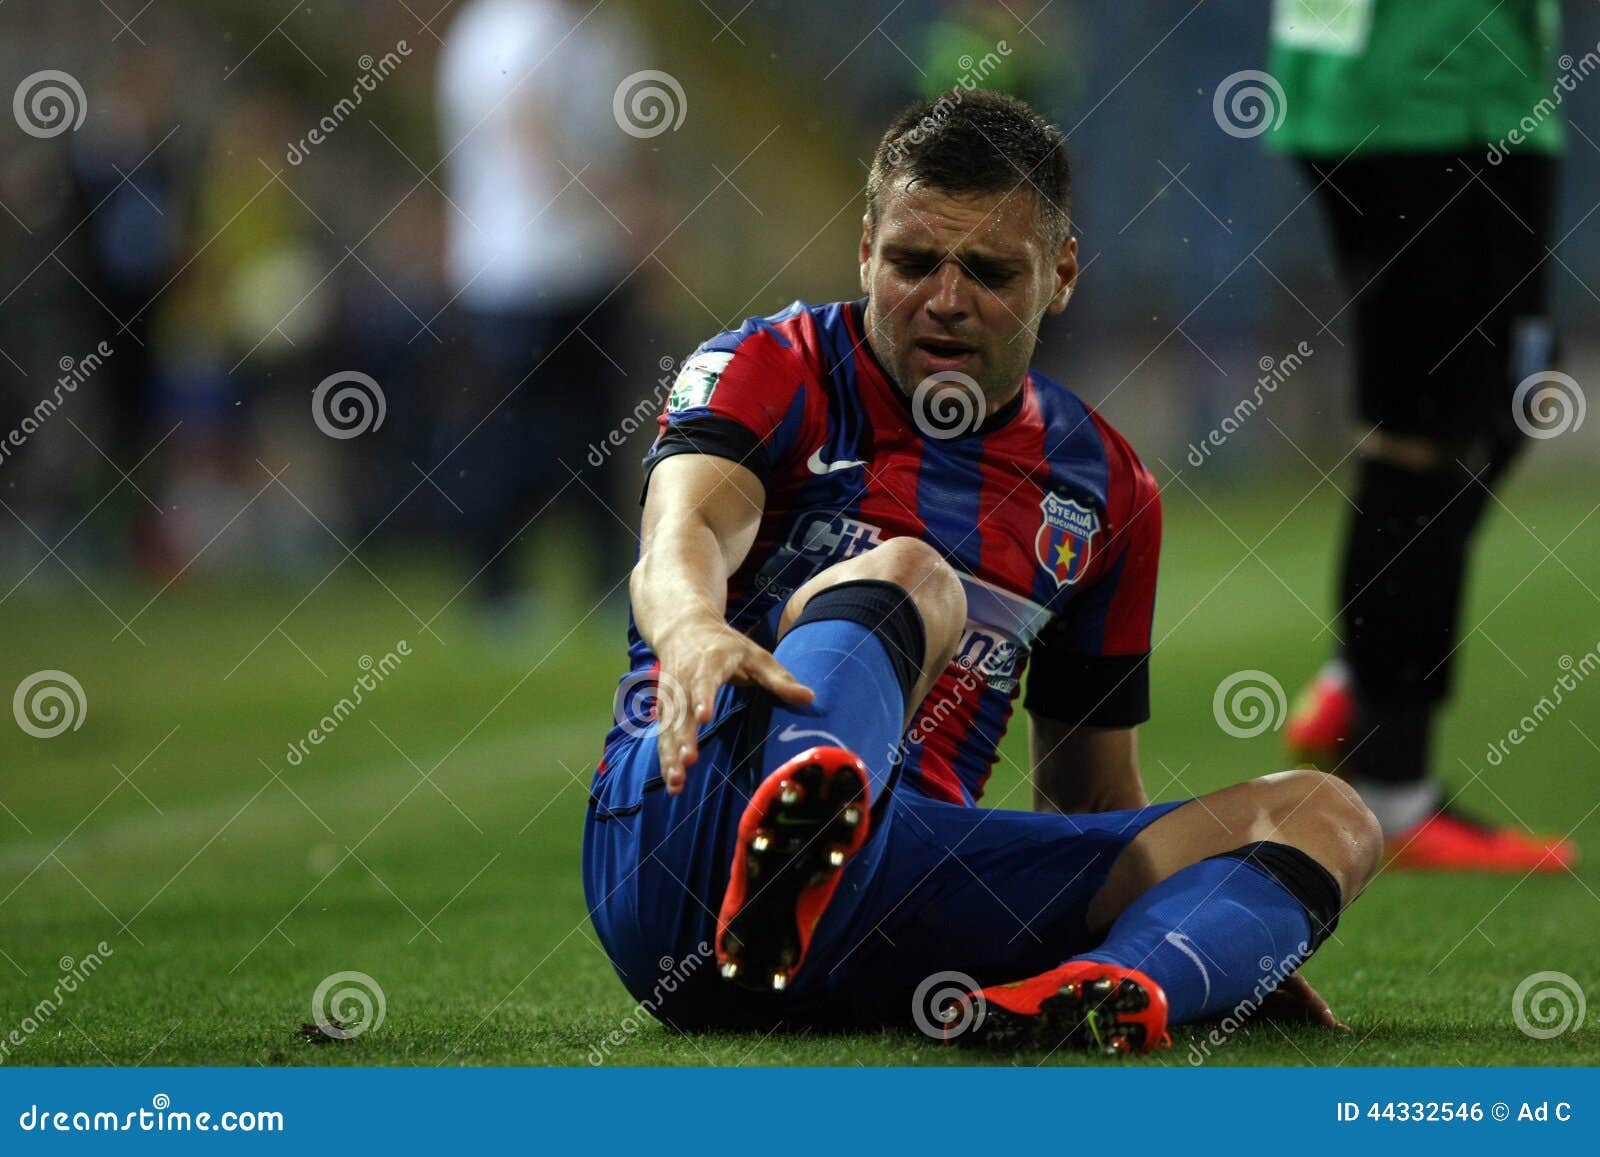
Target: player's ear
865,254
1066,275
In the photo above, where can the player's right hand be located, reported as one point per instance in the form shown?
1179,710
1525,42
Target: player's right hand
1296,1002
697,659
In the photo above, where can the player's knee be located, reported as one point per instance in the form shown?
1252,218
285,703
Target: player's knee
1326,818
1425,454
932,584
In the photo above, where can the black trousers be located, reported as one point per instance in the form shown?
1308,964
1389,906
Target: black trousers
1444,260
527,392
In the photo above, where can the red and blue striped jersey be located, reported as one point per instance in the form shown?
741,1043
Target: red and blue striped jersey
1046,513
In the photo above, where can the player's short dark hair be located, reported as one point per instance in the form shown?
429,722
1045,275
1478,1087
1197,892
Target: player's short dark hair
977,142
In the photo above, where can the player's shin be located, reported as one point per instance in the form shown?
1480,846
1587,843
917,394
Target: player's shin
859,646
1220,935
1405,561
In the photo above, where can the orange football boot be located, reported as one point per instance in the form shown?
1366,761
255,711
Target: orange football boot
1450,841
1082,1005
800,828
1324,713
1318,732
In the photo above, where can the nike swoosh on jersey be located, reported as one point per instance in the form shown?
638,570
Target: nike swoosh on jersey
816,465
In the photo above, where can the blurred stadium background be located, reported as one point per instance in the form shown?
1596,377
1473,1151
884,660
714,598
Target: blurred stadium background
216,561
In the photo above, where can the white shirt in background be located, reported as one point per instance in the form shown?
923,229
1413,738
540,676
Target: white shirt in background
525,88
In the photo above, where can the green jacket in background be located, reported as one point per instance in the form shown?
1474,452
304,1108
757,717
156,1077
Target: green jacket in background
974,55
1419,75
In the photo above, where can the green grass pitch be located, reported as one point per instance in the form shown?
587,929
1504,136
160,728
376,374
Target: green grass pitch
432,840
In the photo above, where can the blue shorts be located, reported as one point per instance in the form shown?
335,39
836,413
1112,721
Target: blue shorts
994,894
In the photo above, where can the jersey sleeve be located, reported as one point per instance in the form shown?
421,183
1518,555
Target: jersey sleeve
1090,663
740,396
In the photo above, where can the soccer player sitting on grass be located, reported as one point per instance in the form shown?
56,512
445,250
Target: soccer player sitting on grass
862,521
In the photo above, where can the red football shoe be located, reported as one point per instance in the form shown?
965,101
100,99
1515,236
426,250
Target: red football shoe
1081,1005
805,821
1449,841
1319,725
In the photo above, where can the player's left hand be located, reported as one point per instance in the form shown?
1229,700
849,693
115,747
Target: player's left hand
1296,1002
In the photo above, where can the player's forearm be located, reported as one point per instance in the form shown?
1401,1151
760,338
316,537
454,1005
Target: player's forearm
1084,769
1065,793
681,579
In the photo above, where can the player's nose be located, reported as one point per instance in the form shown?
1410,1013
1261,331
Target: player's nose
947,301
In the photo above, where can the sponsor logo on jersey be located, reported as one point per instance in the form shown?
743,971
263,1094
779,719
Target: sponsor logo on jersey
1064,541
818,539
996,657
825,535
696,380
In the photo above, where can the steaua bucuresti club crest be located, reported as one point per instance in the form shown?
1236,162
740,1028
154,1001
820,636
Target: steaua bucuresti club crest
1064,541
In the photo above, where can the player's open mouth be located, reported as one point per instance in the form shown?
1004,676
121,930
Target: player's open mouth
944,354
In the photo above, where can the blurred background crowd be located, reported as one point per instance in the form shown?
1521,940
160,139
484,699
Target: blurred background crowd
499,253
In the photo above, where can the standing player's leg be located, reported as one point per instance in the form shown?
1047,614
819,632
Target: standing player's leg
1436,370
484,435
869,636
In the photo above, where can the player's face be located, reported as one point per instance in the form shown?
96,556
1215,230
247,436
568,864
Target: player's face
959,283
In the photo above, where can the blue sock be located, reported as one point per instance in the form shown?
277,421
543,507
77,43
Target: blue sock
859,703
1227,930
